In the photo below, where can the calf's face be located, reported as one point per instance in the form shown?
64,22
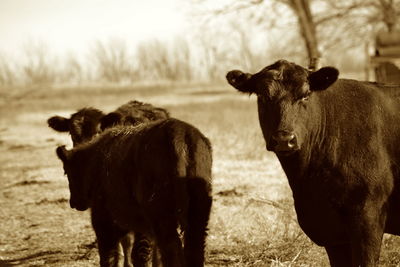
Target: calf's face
82,125
79,186
284,91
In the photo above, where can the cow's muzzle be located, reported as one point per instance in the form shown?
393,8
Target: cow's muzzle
77,205
283,142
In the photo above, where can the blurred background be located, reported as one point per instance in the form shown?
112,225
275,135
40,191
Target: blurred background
50,42
58,56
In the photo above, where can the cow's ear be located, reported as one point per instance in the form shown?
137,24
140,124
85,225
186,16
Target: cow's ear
322,78
238,79
63,153
60,124
110,120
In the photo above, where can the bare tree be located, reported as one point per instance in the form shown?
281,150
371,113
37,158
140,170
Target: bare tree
307,29
349,23
226,43
72,70
153,60
7,74
181,55
162,60
112,61
212,60
300,8
40,66
389,13
321,23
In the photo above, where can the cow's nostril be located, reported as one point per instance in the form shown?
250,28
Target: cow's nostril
292,143
284,141
283,136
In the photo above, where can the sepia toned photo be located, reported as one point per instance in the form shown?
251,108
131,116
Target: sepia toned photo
200,133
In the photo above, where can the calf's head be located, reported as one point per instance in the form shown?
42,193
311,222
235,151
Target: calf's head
133,113
117,118
284,92
79,184
82,125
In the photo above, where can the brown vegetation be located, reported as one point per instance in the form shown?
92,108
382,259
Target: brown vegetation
252,222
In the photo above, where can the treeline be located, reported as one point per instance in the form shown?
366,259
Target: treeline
114,61
197,59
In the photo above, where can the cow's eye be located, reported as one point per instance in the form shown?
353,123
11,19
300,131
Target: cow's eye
305,98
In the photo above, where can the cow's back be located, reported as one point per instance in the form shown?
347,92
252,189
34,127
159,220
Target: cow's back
170,150
143,111
148,166
359,123
359,115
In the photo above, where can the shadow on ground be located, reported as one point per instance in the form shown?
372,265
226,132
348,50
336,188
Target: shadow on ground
36,259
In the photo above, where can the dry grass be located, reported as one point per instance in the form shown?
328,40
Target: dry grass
252,223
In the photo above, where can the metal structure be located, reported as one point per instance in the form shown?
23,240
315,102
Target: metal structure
386,61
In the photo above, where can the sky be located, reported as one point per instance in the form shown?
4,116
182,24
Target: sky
74,25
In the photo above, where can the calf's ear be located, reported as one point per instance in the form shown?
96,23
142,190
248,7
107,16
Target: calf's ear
60,124
63,153
322,78
238,79
110,120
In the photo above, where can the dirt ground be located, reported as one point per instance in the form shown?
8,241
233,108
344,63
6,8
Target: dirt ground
252,221
37,227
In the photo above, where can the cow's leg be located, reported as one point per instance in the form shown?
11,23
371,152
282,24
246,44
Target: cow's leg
108,239
156,261
339,255
196,229
141,252
127,248
169,243
366,230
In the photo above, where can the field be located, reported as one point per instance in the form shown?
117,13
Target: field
252,222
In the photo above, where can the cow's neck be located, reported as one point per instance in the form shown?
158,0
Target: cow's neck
89,167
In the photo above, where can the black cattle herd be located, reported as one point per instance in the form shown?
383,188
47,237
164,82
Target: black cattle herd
146,177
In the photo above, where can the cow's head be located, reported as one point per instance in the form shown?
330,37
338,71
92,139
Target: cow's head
88,122
82,125
133,113
79,185
117,118
284,92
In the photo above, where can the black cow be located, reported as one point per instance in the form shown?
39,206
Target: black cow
133,113
150,179
338,143
86,123
82,125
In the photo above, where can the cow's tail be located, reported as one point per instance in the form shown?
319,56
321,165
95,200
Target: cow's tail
194,172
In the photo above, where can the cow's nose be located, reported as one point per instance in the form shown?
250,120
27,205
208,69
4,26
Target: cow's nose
285,141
